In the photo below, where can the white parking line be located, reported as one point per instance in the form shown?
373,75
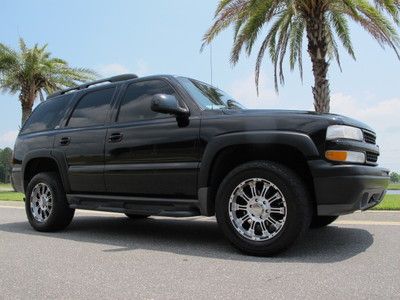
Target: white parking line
376,211
80,211
200,218
9,206
355,222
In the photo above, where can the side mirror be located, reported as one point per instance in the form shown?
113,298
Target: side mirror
167,104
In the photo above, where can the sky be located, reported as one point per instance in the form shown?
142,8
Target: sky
164,37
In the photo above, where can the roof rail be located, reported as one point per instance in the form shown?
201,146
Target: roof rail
117,78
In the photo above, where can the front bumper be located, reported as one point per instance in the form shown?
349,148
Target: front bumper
343,189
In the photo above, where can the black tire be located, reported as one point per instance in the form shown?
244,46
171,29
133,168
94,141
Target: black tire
136,216
322,221
299,207
61,214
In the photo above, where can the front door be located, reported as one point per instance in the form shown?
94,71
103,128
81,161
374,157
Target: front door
148,153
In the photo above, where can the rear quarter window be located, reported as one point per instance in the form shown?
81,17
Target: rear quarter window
47,115
92,109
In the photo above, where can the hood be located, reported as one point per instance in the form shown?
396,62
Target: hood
330,118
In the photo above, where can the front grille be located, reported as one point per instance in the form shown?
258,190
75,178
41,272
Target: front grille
369,137
372,157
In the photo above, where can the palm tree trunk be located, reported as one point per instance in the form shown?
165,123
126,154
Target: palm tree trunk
26,112
27,98
317,49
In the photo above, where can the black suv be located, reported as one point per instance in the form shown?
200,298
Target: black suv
174,146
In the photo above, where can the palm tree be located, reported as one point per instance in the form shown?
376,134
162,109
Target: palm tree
31,72
323,22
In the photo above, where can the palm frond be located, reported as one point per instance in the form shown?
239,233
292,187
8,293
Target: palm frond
286,21
341,26
35,70
230,13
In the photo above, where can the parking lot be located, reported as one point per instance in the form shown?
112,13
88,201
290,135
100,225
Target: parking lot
103,255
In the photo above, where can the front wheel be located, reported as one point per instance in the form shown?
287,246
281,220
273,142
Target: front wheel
46,204
263,207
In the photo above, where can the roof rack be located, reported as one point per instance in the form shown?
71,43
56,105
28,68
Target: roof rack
117,78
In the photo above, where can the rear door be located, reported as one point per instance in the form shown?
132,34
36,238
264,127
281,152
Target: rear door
82,140
149,153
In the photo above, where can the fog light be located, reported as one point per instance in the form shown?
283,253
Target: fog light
345,156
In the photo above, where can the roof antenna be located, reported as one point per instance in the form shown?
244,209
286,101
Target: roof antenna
211,64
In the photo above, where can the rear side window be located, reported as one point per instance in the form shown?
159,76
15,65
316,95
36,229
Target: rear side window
92,109
47,115
136,104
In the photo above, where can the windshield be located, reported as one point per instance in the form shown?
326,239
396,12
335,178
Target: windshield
207,96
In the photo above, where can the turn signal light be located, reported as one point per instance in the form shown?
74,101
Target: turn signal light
345,156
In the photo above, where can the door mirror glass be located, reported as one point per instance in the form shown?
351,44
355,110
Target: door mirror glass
167,104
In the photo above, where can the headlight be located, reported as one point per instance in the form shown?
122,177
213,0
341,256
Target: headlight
345,156
344,132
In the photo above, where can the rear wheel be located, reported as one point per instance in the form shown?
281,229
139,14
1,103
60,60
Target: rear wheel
136,216
322,221
46,204
263,207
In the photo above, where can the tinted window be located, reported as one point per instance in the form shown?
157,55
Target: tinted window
136,104
47,115
92,109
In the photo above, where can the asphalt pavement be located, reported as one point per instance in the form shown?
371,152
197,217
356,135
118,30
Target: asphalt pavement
103,255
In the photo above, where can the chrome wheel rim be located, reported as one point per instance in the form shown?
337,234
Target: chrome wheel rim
41,202
257,209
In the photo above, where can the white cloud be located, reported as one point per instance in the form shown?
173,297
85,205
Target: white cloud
113,69
7,138
382,116
245,91
141,68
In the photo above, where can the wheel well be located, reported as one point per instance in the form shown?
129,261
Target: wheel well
39,165
231,157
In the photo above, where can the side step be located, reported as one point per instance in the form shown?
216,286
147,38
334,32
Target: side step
136,205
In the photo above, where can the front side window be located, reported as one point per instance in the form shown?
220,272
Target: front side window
207,96
136,104
92,109
47,115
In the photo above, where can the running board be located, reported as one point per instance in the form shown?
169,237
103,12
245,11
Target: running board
136,205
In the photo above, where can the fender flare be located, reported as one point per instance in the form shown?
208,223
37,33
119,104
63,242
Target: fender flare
56,156
299,141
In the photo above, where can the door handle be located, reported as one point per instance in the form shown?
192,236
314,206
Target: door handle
115,137
65,141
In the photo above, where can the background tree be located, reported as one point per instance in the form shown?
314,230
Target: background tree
394,177
5,164
31,72
323,22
